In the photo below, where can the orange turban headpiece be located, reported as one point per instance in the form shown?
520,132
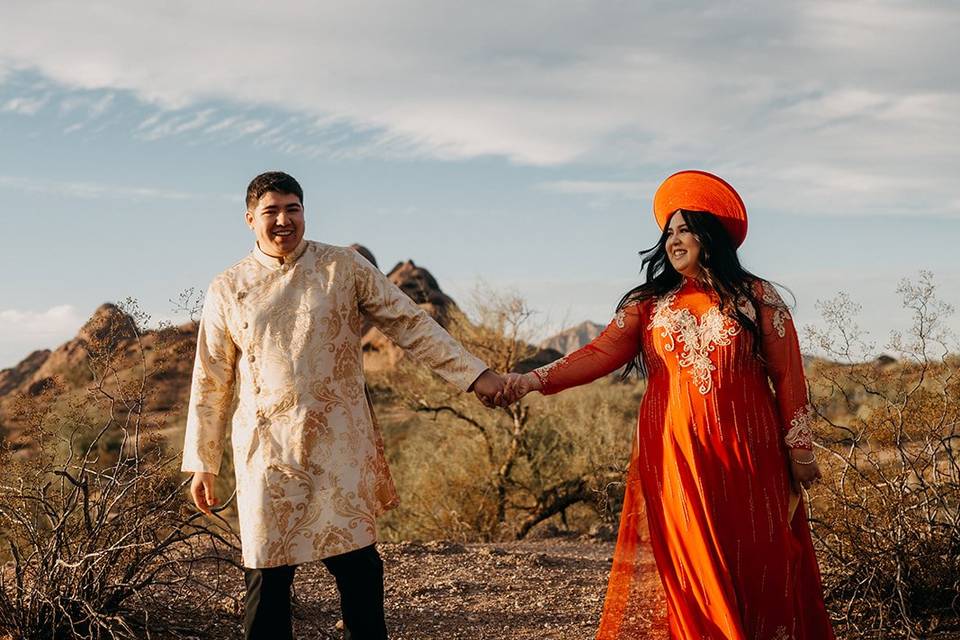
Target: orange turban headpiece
702,191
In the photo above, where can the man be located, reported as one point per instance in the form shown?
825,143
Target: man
279,352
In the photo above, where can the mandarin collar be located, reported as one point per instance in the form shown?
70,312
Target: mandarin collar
272,262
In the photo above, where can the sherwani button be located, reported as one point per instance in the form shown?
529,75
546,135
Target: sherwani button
252,358
245,325
256,389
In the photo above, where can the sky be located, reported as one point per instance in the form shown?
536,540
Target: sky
508,145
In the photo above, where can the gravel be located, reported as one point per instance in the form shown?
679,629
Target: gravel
536,590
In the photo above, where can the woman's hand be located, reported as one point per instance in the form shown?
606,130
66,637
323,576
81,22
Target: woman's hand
488,387
803,468
519,385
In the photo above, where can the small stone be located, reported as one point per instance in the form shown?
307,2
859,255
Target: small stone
444,547
602,532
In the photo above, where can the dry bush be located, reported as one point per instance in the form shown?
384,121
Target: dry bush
886,517
472,473
94,522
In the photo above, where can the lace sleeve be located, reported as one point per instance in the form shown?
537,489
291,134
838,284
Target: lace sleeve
613,348
781,351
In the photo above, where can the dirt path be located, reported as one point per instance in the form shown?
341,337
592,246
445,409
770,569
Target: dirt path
537,590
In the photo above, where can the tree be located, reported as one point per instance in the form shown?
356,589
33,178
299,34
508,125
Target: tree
467,471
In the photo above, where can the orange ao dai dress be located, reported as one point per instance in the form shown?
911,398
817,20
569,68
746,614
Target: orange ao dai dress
710,462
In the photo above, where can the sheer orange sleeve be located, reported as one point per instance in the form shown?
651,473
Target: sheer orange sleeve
781,351
614,347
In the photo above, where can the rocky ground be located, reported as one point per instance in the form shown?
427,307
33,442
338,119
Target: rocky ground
550,589
536,590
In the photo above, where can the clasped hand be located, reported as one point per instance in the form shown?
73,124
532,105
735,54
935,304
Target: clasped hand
495,390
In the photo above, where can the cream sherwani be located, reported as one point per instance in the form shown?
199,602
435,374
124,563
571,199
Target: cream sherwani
279,353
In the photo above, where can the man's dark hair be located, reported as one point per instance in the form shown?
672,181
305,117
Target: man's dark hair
272,181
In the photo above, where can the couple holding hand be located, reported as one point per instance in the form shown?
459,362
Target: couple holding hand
718,458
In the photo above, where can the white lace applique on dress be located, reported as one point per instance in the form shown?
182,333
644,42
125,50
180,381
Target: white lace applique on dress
620,319
801,429
698,338
544,372
780,310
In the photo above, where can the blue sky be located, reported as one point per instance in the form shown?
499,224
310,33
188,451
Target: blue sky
513,144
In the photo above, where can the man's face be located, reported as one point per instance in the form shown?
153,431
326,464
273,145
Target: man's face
277,222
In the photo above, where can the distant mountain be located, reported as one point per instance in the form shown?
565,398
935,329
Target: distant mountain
13,378
168,353
569,340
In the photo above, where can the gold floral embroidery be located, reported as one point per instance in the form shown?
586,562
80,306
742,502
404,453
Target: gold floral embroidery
697,338
801,428
315,429
292,494
210,453
311,471
333,541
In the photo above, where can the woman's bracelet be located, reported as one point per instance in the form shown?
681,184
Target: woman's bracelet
810,461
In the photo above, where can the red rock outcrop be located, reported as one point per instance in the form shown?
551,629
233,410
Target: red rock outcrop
379,352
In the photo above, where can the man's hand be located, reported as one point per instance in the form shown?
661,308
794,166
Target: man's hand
803,469
519,385
489,389
201,488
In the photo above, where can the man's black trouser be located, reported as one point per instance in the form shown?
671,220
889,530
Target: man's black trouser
359,576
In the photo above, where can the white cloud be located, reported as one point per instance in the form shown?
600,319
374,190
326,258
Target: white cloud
22,332
93,105
55,318
601,194
162,127
26,105
84,108
774,92
630,190
91,190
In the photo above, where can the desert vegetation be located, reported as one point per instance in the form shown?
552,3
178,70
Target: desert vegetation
886,518
472,474
93,521
99,539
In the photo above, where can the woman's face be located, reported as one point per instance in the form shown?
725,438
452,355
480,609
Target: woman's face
683,248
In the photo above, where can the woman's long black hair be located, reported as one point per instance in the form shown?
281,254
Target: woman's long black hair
720,270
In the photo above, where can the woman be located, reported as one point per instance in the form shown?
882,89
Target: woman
716,452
